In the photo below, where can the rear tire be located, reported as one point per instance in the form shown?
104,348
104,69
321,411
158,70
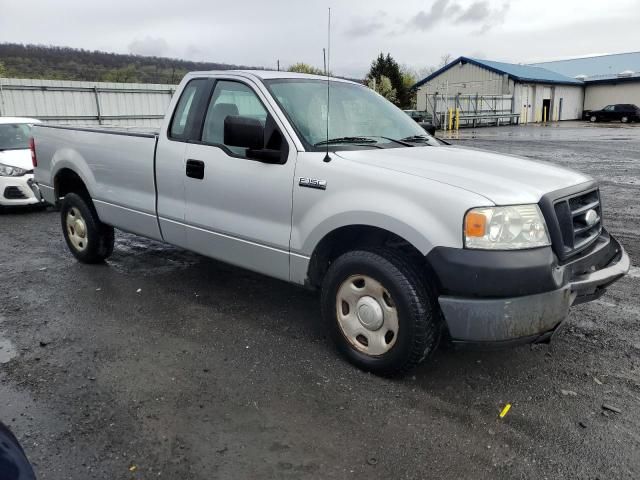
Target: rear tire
382,316
88,239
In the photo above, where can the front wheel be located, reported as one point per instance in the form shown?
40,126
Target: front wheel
89,240
624,119
382,316
593,119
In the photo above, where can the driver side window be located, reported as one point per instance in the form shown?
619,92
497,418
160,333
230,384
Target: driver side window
230,99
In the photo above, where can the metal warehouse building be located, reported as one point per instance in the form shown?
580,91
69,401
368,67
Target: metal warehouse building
490,92
608,79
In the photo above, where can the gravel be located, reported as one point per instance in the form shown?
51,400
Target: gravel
165,364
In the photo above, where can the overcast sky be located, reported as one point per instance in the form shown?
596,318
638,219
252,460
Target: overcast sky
259,32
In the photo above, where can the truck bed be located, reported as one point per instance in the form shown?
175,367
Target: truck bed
112,129
117,165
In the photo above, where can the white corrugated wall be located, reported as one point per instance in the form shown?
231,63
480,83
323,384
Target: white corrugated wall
465,79
599,96
85,103
528,100
572,101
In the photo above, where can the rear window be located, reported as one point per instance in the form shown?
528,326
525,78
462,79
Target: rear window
14,136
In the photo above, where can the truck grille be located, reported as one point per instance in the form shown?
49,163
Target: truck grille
580,220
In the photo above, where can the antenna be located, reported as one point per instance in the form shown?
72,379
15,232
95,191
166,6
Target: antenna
327,158
324,59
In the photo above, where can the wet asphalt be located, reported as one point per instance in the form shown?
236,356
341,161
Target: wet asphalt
165,364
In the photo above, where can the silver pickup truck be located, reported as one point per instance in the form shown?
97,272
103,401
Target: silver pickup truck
407,239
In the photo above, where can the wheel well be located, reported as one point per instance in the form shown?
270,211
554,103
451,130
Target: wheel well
68,181
356,237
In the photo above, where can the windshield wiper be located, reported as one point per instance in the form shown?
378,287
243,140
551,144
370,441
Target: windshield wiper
401,141
345,140
415,138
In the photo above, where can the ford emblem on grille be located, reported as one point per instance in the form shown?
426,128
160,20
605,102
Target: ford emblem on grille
591,217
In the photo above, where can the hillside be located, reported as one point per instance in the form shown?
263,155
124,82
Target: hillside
63,63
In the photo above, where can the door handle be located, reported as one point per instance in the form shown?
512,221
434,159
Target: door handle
195,169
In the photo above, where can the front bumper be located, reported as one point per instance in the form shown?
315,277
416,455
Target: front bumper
17,191
541,291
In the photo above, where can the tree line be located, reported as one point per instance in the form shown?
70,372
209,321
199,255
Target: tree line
386,76
64,63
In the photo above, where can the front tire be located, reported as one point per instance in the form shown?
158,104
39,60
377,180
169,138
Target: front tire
88,239
624,119
593,119
382,316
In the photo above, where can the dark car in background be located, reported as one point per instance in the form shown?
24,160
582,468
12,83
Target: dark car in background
622,112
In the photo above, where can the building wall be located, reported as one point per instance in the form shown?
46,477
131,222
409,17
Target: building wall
599,96
529,97
85,103
465,79
572,100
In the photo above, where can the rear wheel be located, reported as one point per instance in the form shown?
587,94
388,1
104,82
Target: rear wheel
381,314
90,240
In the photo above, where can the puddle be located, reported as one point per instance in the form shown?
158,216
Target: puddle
8,350
148,256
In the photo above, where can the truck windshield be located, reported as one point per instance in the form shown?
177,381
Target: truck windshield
358,117
14,136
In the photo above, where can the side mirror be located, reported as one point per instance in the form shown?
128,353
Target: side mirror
243,132
429,128
249,133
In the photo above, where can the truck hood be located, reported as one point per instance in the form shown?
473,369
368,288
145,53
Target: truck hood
16,158
503,179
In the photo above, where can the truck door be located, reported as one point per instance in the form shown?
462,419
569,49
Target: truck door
170,159
238,209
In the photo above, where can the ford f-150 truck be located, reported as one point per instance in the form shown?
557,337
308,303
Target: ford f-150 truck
407,239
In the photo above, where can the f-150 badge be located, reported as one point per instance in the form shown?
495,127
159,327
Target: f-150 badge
313,183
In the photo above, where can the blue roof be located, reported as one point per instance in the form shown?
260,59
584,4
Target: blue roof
521,73
599,67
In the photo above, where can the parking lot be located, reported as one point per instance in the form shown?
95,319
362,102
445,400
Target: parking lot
165,364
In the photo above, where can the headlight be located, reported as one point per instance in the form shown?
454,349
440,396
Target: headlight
8,171
505,228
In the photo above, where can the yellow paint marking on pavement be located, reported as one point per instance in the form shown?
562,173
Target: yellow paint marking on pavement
505,410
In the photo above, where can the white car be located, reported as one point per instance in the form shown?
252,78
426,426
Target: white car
16,168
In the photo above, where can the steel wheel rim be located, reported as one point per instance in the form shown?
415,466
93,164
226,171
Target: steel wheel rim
367,315
76,229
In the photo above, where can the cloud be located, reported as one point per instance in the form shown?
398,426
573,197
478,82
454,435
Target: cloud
495,17
425,20
149,46
361,28
478,13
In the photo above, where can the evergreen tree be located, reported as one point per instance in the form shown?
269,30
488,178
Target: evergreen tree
386,66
